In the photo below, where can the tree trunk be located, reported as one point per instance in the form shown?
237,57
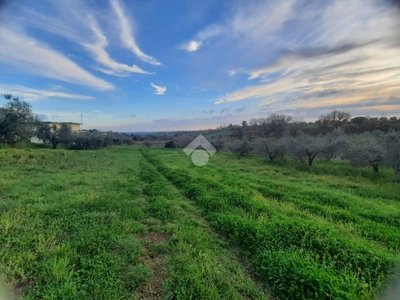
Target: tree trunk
376,167
54,144
311,158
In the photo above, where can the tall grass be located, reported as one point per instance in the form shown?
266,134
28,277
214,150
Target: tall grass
310,234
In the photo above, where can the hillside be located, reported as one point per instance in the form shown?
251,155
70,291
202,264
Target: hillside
133,222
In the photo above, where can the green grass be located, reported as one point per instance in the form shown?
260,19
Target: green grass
329,232
140,223
106,225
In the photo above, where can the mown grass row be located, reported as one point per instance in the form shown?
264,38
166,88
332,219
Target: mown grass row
70,233
198,263
298,258
375,219
106,225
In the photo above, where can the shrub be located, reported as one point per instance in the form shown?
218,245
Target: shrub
170,144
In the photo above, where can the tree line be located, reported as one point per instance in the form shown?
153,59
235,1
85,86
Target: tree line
18,123
274,138
368,149
276,124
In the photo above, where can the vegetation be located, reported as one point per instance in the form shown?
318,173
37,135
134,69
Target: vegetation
321,233
132,222
54,135
141,222
17,121
106,225
19,124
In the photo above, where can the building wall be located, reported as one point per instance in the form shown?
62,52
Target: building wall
74,126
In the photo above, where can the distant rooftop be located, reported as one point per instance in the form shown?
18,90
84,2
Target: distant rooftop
72,123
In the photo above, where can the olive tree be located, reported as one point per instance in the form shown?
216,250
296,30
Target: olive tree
17,121
392,145
50,133
367,149
270,147
335,144
239,147
88,140
306,147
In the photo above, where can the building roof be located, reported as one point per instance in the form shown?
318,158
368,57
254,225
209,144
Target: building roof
71,123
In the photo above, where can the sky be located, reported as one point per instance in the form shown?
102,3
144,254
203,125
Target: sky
156,65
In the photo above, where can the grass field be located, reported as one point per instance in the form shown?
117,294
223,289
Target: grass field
140,223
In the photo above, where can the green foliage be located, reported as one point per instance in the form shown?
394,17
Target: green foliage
239,147
170,144
367,149
17,121
53,134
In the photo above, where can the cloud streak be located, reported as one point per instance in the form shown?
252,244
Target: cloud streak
126,34
159,90
97,49
31,94
249,23
34,57
335,64
79,24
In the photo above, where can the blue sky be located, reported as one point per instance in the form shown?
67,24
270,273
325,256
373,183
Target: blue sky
166,65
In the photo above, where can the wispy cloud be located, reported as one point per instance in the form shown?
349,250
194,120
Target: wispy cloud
31,94
97,49
227,111
79,23
368,107
38,58
202,38
262,20
126,34
59,116
249,23
335,63
240,110
159,90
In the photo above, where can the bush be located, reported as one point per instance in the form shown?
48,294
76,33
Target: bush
170,144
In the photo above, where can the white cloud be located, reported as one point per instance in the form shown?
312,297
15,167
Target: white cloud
190,46
35,57
261,21
343,62
250,24
78,23
160,90
126,34
97,49
202,38
31,94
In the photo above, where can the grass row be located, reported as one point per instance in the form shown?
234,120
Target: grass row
375,219
199,265
107,225
298,258
68,226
